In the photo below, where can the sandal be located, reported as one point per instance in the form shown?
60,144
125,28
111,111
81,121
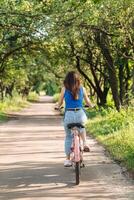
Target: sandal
86,148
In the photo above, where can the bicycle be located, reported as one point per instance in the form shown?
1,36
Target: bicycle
76,150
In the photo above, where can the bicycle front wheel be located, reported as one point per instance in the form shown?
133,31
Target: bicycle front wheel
77,172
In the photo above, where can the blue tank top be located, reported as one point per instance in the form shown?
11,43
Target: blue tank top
70,102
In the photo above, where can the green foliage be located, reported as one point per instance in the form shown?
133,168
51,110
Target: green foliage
15,103
2,117
12,104
50,88
56,97
91,113
33,96
121,145
115,131
42,40
110,121
86,32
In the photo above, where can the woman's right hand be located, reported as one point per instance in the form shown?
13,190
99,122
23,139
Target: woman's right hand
90,106
56,107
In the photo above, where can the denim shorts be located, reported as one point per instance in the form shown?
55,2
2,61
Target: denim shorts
72,117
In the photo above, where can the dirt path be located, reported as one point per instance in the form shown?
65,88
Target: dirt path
31,162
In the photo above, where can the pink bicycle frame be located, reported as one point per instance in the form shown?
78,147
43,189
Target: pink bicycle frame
76,145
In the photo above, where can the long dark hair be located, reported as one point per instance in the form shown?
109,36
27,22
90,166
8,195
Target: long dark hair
72,83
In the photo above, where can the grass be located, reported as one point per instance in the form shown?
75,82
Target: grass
121,146
12,104
116,132
9,105
3,117
15,104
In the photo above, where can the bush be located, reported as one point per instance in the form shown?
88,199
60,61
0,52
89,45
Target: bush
33,96
56,97
2,117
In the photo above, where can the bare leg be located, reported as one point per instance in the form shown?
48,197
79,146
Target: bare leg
68,157
83,137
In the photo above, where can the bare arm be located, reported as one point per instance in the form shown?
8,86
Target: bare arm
61,98
86,98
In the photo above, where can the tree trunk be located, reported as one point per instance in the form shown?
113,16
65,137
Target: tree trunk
133,81
101,41
127,78
102,96
1,91
121,85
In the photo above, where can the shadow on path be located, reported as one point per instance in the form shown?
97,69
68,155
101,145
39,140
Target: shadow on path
33,180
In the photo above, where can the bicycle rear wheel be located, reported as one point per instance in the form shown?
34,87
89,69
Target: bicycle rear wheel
77,172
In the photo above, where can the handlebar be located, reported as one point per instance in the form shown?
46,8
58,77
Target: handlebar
57,108
85,106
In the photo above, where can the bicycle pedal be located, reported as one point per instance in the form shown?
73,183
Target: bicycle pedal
82,165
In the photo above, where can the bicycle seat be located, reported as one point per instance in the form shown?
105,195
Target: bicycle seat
72,125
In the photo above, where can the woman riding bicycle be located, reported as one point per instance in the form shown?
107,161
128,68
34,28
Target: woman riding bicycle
73,93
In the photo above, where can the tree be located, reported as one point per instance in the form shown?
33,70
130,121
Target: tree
48,38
